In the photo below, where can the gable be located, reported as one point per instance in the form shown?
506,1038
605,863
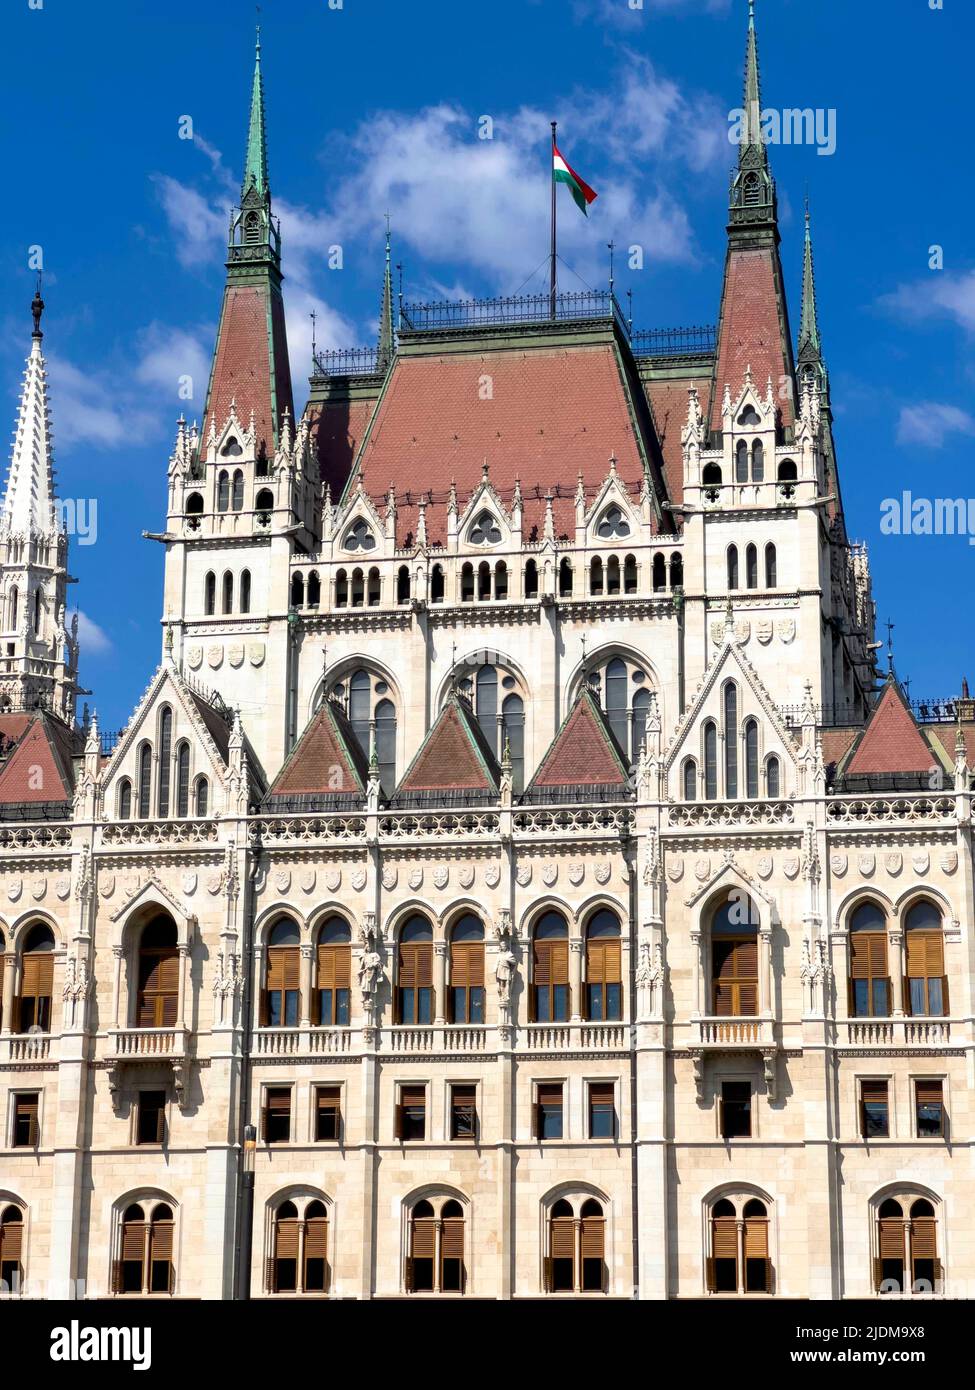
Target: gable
327,762
454,757
891,742
583,754
39,770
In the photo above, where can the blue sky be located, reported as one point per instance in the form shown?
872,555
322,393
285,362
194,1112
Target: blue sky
376,105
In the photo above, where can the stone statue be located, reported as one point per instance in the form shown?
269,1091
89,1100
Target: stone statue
504,973
370,972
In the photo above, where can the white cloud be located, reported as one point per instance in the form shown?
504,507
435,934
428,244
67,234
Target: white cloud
940,295
930,423
168,356
94,640
91,408
200,228
626,14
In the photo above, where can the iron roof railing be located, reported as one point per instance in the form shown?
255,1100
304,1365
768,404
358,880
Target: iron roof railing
582,305
675,342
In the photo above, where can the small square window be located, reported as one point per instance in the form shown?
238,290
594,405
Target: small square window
736,1110
463,1112
602,1110
548,1112
150,1124
328,1113
26,1129
277,1114
930,1109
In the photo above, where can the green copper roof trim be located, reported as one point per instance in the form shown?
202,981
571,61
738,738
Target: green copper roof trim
387,331
255,164
809,323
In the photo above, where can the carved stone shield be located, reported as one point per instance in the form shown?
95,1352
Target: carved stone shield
215,881
787,629
765,866
308,880
194,658
38,888
743,630
790,865
466,876
550,873
492,875
675,869
921,861
838,864
416,878
866,863
894,862
702,869
358,879
602,871
763,631
235,655
441,876
333,880
255,653
949,861
524,875
577,873
282,880
389,876
717,632
189,884
214,656
62,888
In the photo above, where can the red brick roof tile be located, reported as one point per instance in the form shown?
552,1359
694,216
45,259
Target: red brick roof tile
242,363
668,401
837,743
550,414
891,741
453,757
40,767
338,428
326,761
751,333
584,752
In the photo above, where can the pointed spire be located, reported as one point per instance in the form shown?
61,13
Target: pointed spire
752,188
387,332
255,163
28,505
809,322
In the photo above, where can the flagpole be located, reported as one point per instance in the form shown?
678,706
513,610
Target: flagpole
551,299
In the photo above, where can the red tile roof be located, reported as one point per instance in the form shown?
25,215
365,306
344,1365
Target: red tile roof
541,414
668,401
338,428
891,741
946,734
242,363
40,768
837,743
326,761
454,756
752,333
584,752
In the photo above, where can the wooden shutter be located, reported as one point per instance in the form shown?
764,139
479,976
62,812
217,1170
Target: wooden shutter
271,1275
892,1238
424,1245
603,962
116,1281
724,1238
924,1239
38,976
27,1107
161,1240
452,1240
563,1238
158,988
283,967
467,965
873,1091
11,1240
408,1274
868,955
133,1240
334,967
709,1276
286,1238
547,1274
878,1275
756,1239
316,1238
593,1237
398,1122
925,954
929,1092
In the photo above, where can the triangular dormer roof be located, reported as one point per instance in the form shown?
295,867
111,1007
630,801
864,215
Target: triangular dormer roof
454,762
326,769
891,742
40,768
584,757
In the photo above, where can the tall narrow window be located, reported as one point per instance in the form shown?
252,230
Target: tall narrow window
37,980
736,1110
723,1261
403,584
245,591
772,780
411,1113
560,1264
593,1247
182,779
145,781
466,995
604,968
602,1110
874,1110
926,1276
501,580
223,491
315,1255
463,1112
26,1132
548,1110
484,580
758,462
630,575
360,708
758,1267
732,567
210,594
228,592
237,493
889,1265
751,758
734,959
659,572
277,1115
202,796
741,462
771,568
929,1108
927,984
690,780
467,583
550,970
11,1248
158,989
616,700
710,762
165,759
751,567
328,1113
641,711
386,745
513,729
486,684
373,588
565,578
869,979
730,741
414,983
437,585
334,973
283,1271
124,799
281,992
596,576
531,579
150,1124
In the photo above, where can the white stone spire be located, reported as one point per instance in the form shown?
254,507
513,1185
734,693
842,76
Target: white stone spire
28,504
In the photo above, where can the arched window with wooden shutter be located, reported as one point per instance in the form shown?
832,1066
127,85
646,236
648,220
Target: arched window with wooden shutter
160,1255
452,1269
926,1273
560,1262
604,968
926,992
11,1249
157,995
593,1247
466,993
128,1270
550,970
414,976
722,1263
423,1249
36,980
758,1264
283,976
869,978
282,1273
734,959
315,1254
888,1273
334,974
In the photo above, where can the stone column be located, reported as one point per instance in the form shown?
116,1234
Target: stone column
305,985
741,1256
117,985
696,947
765,971
895,965
439,981
575,978
184,955
9,978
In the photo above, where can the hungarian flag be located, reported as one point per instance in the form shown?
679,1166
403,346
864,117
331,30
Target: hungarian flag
562,172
